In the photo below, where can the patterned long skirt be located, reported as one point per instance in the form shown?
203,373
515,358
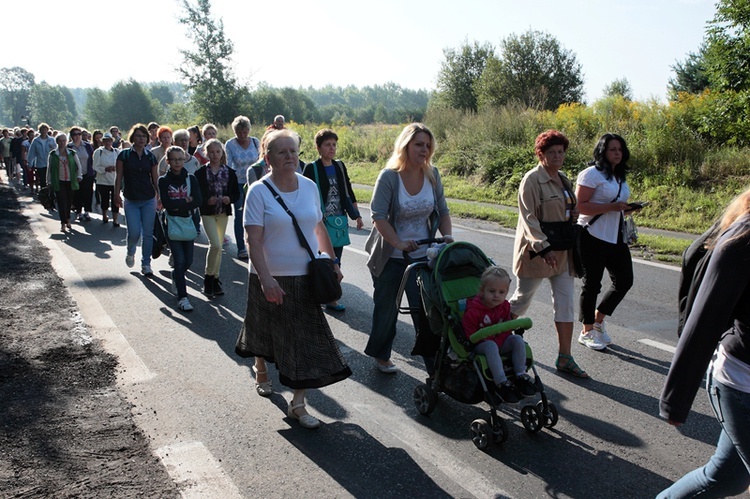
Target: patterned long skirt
294,336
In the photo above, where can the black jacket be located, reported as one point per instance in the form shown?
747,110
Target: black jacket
345,186
233,190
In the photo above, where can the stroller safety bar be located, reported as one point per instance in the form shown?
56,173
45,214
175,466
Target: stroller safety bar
500,327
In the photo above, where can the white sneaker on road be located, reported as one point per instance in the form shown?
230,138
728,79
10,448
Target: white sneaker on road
184,305
603,332
592,339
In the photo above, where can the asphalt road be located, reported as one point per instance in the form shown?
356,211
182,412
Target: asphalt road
196,400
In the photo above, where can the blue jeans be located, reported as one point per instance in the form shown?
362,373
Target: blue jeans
182,251
239,211
385,314
727,473
140,216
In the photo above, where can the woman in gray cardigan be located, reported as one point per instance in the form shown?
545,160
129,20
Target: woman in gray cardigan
408,204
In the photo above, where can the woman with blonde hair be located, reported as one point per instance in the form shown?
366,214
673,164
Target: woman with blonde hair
408,204
720,317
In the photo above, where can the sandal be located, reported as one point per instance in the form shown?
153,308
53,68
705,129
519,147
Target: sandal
569,366
306,421
264,388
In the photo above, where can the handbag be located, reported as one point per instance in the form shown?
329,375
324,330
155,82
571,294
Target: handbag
181,228
561,236
337,225
324,281
629,231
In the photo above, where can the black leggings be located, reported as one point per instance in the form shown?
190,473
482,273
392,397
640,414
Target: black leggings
596,256
106,198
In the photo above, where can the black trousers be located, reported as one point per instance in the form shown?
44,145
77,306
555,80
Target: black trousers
598,255
84,195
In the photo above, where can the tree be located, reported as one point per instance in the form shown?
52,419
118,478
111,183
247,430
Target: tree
727,55
210,80
690,75
621,87
48,104
162,93
534,70
459,73
129,104
15,85
96,112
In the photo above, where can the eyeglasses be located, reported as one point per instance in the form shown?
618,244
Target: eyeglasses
140,136
75,134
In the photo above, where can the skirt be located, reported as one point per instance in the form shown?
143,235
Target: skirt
294,336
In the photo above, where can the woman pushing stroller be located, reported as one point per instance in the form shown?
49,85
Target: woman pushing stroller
490,306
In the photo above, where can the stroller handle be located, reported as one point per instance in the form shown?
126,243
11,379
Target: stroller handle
500,327
422,242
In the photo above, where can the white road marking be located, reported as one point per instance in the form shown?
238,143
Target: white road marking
656,344
132,368
410,435
196,472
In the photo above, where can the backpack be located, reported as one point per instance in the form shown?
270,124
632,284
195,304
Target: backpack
695,261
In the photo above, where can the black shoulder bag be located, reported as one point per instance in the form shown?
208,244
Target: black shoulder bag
561,236
324,281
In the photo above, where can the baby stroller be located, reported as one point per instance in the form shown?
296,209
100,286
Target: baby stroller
445,284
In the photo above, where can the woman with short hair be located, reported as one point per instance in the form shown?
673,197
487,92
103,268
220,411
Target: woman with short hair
283,323
242,151
137,171
546,195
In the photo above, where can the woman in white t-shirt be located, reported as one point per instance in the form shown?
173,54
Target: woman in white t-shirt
283,323
408,204
602,194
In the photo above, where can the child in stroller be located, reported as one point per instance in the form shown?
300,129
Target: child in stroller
490,306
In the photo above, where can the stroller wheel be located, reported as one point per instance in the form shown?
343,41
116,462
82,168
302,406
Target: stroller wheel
551,417
532,418
425,399
499,430
481,433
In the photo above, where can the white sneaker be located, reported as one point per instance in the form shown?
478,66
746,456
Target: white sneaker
130,260
184,305
146,270
603,333
592,339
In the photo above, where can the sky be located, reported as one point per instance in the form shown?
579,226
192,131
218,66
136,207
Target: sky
301,43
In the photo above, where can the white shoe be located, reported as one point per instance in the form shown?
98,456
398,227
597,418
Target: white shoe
603,332
184,305
592,339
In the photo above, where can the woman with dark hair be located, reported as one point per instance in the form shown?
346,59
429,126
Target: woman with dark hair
602,194
546,195
195,140
137,171
336,192
408,204
720,317
96,139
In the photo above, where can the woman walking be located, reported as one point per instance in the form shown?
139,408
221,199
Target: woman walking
283,323
64,175
219,191
723,297
105,161
602,194
137,168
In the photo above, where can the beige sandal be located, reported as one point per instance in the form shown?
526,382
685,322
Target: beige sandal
306,421
264,388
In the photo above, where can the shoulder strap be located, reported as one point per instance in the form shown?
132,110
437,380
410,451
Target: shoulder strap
300,235
317,183
597,217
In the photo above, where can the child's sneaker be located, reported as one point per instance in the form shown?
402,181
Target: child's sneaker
525,386
603,332
508,392
592,339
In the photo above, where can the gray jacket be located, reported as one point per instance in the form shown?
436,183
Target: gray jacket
385,206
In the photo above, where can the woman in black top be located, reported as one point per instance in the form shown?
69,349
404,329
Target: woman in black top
723,295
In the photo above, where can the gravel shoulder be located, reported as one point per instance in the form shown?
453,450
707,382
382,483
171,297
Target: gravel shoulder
65,429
